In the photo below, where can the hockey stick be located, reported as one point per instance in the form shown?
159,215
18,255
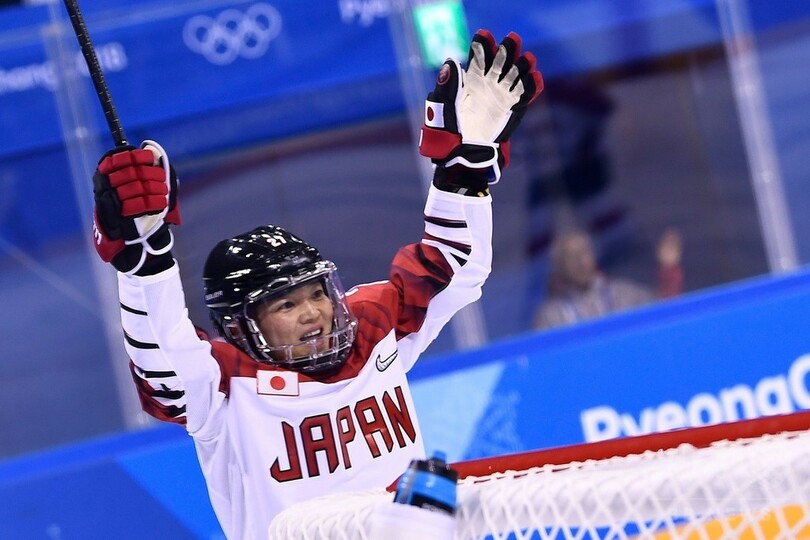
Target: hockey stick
100,84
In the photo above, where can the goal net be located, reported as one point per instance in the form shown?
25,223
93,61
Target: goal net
748,479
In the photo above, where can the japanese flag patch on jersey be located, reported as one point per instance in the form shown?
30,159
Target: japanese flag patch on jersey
277,383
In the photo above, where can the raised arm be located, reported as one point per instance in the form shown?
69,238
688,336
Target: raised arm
469,117
135,193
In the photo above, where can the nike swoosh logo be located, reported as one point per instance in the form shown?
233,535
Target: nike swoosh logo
382,365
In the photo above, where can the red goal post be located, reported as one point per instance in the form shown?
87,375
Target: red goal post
746,479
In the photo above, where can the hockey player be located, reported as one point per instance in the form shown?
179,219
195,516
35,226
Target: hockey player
306,392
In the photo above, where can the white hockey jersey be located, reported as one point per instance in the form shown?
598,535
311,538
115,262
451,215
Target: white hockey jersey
266,437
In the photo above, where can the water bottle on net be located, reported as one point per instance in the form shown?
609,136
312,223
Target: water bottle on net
429,484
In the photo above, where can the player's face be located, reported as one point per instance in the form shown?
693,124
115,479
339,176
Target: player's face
300,315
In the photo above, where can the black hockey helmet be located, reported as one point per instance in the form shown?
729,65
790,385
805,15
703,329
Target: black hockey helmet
246,270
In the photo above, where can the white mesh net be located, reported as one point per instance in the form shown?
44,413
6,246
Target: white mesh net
755,488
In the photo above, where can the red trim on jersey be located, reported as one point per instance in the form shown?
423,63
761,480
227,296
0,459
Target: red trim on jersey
151,406
419,272
233,362
464,248
446,223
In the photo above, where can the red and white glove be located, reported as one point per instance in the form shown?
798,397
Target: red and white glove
470,115
135,193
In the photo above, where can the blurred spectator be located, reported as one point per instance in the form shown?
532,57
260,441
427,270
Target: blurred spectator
578,290
570,172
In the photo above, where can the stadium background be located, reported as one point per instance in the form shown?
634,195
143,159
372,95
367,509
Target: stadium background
680,113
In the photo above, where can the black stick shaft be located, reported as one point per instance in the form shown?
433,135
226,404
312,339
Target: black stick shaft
100,84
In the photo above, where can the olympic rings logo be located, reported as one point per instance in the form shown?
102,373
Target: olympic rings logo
233,33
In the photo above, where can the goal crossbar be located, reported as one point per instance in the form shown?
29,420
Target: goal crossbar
699,437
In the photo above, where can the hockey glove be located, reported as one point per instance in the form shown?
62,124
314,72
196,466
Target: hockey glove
470,115
135,193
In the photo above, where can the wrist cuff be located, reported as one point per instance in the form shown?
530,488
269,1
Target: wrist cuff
156,264
462,180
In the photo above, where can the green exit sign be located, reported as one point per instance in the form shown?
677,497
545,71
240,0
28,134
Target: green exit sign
442,31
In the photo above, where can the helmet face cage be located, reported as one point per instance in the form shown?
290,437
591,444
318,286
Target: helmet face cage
319,353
